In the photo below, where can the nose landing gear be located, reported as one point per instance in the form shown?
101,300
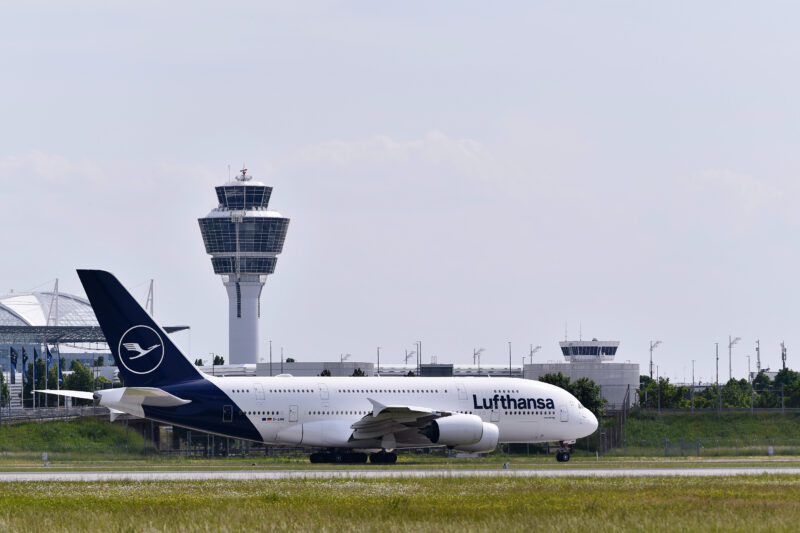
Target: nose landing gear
563,451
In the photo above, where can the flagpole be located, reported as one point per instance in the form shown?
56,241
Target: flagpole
58,377
33,385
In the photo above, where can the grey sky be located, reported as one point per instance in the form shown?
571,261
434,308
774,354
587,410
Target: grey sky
464,174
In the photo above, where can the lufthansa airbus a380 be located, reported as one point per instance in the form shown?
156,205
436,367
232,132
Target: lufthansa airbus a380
347,416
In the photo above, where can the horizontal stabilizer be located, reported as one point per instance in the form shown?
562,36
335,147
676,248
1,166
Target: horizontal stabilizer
152,396
84,395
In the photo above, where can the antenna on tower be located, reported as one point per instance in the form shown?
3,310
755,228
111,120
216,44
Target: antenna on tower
758,356
783,355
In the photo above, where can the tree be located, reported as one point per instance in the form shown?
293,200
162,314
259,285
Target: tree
80,379
218,360
358,373
290,360
589,394
100,382
29,386
100,361
736,394
559,380
325,372
584,389
198,362
5,395
410,374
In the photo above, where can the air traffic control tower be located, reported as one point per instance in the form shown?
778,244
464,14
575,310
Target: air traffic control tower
243,239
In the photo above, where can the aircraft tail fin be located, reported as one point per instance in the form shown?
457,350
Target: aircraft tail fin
144,354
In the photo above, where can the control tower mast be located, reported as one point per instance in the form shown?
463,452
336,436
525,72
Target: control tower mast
243,239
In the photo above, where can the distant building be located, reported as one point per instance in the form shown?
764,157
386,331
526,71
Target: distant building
592,360
312,368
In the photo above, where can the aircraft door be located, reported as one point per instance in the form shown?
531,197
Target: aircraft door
564,414
462,391
495,417
259,391
292,413
323,391
227,413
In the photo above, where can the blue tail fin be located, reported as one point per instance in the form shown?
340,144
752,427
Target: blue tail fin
145,355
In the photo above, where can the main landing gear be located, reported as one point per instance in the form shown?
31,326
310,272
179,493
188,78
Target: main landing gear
349,458
563,452
383,458
353,458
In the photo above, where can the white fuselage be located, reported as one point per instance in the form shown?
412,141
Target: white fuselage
523,410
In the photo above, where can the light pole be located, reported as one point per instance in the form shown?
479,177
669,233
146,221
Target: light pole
692,396
719,392
748,369
653,346
731,342
533,351
476,356
658,380
509,358
270,357
379,360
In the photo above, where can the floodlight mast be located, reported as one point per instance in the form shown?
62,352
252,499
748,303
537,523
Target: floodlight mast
476,356
653,346
783,355
533,351
758,356
731,342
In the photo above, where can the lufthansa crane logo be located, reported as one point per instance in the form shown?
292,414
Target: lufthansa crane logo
141,349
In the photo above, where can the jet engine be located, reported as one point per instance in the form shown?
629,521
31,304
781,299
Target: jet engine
454,430
488,442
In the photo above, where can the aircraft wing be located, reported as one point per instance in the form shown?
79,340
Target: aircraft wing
389,420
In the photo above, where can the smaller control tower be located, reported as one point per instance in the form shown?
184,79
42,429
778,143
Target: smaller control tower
243,239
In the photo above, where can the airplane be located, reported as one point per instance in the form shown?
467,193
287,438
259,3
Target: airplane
347,417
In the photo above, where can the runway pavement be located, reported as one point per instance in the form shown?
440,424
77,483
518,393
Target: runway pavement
268,475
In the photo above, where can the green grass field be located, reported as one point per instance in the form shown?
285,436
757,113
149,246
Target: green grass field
77,438
649,425
648,433
763,503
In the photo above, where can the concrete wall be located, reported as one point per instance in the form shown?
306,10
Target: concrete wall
615,379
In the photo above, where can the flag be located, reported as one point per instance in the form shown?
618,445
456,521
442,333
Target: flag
24,366
13,356
60,377
35,359
47,363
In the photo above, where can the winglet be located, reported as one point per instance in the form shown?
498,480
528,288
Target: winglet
377,407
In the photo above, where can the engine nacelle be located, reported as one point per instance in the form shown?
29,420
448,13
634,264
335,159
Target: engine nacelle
455,430
488,442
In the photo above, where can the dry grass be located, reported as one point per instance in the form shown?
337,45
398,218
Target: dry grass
762,503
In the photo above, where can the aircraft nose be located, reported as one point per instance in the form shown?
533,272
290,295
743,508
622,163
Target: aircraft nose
592,421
